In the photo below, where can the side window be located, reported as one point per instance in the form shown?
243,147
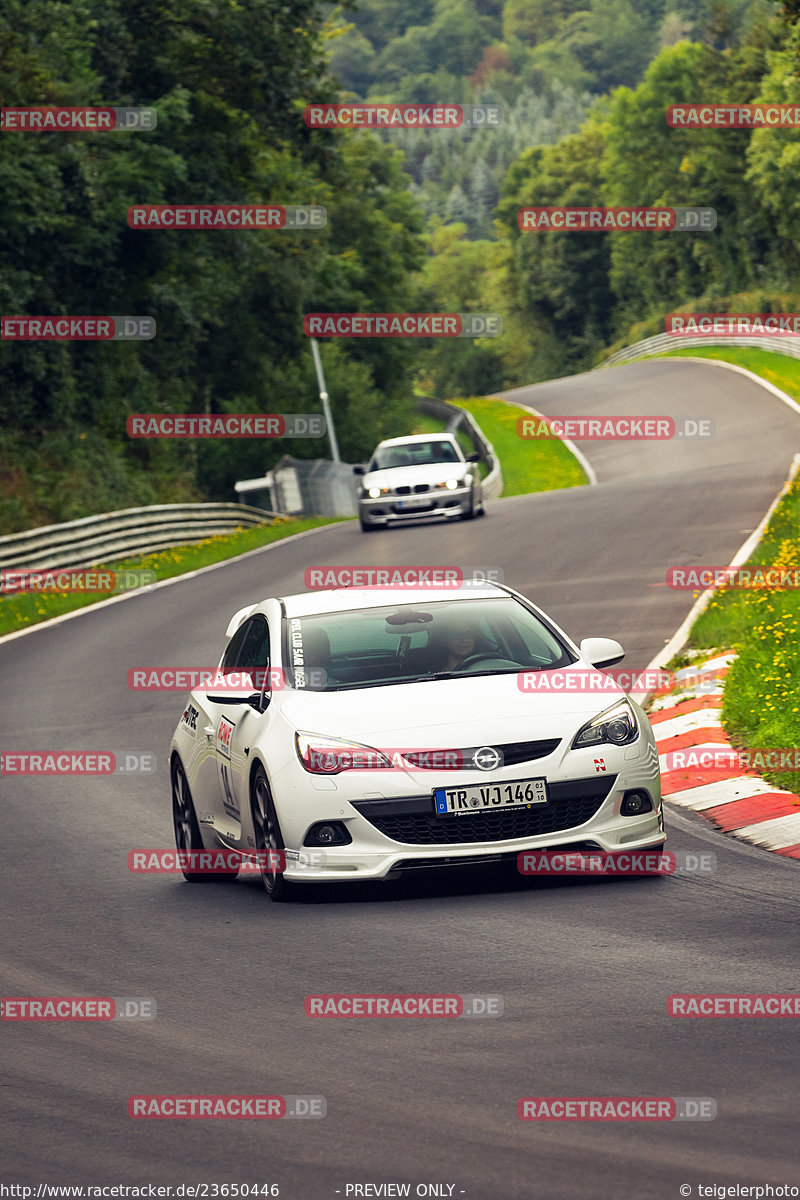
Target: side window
234,646
255,647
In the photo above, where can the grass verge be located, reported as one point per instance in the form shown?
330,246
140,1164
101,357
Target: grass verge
20,611
427,424
538,465
761,702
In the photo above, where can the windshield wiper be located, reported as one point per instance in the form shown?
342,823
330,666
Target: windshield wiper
435,675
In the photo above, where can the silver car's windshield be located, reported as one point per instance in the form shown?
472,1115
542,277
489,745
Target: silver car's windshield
413,454
405,643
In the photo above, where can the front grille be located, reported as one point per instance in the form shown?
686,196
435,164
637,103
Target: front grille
512,753
403,491
413,822
519,752
421,487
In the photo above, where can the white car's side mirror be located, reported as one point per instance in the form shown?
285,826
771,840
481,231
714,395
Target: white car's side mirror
601,652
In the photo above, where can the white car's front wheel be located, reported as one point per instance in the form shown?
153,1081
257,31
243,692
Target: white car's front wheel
268,837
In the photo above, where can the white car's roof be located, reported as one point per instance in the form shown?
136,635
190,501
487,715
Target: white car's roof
418,437
306,604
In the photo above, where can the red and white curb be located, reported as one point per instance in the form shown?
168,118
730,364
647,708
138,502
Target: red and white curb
736,802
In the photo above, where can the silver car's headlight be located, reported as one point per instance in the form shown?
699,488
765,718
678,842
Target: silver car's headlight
451,484
617,725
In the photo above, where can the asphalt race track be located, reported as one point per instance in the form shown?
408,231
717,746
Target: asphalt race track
584,966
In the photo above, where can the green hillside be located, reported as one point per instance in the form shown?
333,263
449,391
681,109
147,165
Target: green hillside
417,220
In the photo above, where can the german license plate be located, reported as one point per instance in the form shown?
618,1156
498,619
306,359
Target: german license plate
489,797
414,502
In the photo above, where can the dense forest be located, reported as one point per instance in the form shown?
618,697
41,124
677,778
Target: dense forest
417,220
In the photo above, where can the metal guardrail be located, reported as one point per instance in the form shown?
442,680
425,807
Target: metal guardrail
667,341
318,486
455,416
109,536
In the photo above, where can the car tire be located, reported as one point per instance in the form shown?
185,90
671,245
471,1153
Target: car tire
365,527
268,834
469,515
187,830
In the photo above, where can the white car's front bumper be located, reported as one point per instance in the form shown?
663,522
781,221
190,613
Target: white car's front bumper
378,826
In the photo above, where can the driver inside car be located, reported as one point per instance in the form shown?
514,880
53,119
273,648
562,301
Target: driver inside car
460,645
460,641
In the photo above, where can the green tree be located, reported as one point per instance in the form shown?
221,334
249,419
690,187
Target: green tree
229,79
562,278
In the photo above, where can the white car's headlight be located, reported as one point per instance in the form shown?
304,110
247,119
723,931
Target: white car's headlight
375,493
616,725
451,484
323,755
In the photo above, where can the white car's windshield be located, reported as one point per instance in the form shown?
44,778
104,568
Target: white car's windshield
404,643
413,454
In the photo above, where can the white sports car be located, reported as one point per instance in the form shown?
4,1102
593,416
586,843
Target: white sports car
403,735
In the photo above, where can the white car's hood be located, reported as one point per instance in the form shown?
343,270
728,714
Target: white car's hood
441,713
394,477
